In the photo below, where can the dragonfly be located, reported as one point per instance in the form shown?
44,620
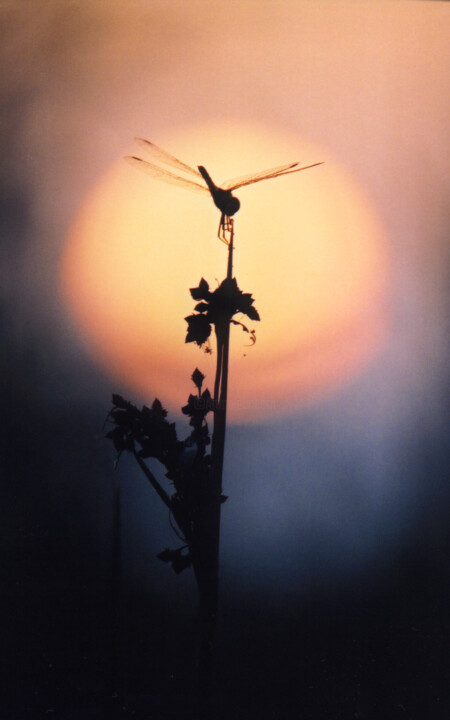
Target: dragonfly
222,195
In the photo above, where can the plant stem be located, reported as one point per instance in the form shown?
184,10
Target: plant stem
153,481
115,635
208,575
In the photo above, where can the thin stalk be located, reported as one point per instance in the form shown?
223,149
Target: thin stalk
218,373
115,634
179,519
153,481
208,578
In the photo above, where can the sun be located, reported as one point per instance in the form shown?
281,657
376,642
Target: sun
308,247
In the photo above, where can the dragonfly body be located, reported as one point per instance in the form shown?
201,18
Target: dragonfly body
223,199
222,196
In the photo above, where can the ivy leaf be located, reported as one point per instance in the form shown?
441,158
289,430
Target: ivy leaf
245,300
199,329
121,440
197,378
181,562
119,402
191,407
201,292
202,307
158,410
166,555
178,561
207,401
198,407
224,299
121,417
252,313
245,306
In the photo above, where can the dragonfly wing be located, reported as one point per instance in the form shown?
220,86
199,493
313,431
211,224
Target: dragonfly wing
161,155
266,175
164,175
253,177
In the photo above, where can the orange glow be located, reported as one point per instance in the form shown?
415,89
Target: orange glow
307,246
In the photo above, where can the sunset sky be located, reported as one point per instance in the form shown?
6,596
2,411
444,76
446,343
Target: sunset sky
339,412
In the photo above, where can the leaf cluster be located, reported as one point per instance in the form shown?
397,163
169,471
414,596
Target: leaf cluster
216,308
197,407
147,433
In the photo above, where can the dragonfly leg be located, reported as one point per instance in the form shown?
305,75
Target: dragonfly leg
223,228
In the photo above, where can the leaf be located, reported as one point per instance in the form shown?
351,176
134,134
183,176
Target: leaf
244,305
166,555
198,407
225,298
176,558
207,401
201,292
197,378
199,329
158,409
119,402
203,433
180,563
120,417
202,307
252,313
121,440
190,409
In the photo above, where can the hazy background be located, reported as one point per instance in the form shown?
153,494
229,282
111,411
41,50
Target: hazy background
335,535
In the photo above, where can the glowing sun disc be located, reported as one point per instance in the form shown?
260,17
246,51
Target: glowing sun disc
308,247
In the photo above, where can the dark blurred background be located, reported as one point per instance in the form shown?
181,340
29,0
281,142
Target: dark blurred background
335,540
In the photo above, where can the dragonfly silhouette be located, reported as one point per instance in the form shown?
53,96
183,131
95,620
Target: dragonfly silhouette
222,196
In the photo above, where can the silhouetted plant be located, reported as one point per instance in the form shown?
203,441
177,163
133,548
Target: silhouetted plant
196,474
193,465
